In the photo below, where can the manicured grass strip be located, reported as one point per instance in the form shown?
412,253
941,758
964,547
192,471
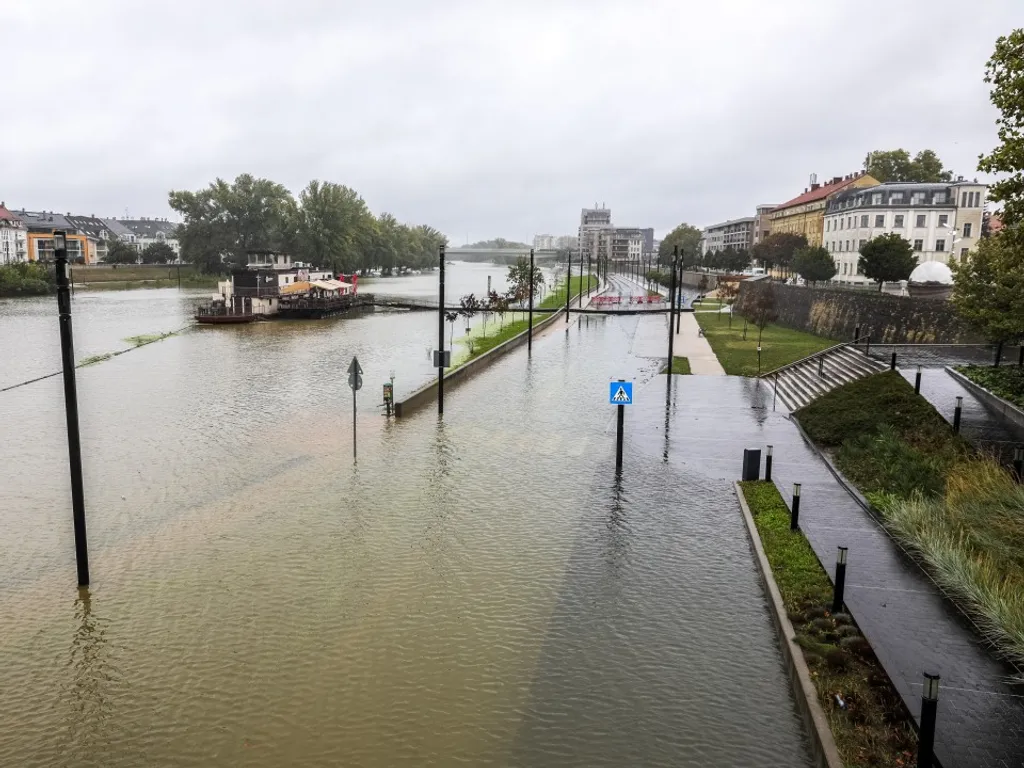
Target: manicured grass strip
556,298
738,356
873,727
680,365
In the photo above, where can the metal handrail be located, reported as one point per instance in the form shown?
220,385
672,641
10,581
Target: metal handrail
822,353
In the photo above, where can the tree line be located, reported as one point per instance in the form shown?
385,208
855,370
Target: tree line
329,226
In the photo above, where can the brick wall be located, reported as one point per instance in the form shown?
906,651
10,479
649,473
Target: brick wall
893,319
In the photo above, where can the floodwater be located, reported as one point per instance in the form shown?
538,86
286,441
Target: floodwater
480,591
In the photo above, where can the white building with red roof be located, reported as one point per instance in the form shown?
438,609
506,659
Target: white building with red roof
13,240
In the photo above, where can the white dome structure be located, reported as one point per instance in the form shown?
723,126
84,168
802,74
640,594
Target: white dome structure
932,272
931,280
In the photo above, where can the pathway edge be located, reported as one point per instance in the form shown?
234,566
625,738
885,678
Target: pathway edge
823,745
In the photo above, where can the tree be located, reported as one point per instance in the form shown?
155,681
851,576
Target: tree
988,289
451,317
887,258
470,305
1005,72
120,252
497,302
896,165
227,220
727,291
814,264
758,306
157,253
778,248
334,227
519,279
735,260
687,237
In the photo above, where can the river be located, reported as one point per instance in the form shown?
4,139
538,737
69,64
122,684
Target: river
477,591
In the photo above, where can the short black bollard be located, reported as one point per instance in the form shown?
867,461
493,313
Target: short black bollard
892,363
768,465
956,415
929,710
751,464
821,367
1018,464
840,585
794,515
1020,357
856,334
917,381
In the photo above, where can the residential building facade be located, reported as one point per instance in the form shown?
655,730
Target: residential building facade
543,242
149,231
594,238
805,213
763,222
942,221
39,227
13,240
736,233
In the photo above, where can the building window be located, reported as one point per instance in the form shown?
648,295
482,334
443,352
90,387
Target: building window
863,221
921,220
919,245
880,220
895,197
963,253
967,230
861,244
849,222
845,265
842,223
876,198
847,245
917,198
940,245
963,200
897,221
939,198
943,220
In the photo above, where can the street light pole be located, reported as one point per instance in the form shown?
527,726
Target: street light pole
440,337
568,285
67,349
529,332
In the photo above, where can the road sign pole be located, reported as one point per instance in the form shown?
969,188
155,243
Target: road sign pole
353,425
568,286
440,337
618,438
355,381
671,302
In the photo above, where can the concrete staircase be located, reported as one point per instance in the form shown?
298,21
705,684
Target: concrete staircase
804,381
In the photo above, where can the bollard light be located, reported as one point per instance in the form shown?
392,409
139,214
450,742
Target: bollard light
841,556
931,686
917,381
840,583
957,413
768,465
959,402
796,490
769,451
794,514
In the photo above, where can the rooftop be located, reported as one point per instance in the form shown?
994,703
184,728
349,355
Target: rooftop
821,191
150,227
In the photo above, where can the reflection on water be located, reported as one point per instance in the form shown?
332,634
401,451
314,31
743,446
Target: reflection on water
478,590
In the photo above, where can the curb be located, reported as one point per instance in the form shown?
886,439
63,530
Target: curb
823,745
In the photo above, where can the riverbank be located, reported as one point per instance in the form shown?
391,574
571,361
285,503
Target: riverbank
960,513
865,714
25,279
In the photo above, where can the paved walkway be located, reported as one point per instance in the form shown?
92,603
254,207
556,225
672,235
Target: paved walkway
690,344
911,626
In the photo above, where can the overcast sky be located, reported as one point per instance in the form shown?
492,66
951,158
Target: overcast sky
486,118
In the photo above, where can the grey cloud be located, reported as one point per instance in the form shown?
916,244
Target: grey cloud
488,118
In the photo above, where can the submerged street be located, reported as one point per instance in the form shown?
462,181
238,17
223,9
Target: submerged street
479,590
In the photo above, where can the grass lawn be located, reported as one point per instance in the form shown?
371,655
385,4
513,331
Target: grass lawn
874,728
556,297
779,346
680,365
962,513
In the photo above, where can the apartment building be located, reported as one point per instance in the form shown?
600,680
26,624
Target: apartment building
805,213
13,238
735,233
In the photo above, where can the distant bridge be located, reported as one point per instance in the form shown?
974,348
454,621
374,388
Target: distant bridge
425,303
499,255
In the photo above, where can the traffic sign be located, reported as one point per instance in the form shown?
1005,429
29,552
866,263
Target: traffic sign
354,366
620,392
355,381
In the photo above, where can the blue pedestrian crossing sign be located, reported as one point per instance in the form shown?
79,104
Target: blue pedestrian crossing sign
620,392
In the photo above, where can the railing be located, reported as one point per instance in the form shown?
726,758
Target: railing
822,354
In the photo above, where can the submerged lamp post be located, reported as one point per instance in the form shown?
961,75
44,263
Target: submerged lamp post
929,710
840,585
794,515
67,350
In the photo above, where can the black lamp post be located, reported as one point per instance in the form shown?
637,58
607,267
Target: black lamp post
794,514
929,711
840,584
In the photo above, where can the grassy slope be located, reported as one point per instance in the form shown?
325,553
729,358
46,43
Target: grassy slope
961,513
680,365
556,297
779,346
1006,381
873,729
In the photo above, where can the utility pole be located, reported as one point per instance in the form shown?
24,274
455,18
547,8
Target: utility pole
579,303
568,284
440,337
67,351
529,331
679,297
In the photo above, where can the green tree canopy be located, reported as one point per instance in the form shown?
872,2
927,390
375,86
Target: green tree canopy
519,279
156,253
897,165
988,288
687,237
120,252
1005,72
778,248
335,229
887,258
814,264
499,242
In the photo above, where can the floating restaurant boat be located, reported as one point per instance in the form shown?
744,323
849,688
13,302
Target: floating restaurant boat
272,286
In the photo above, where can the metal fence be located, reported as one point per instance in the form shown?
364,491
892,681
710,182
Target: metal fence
941,355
